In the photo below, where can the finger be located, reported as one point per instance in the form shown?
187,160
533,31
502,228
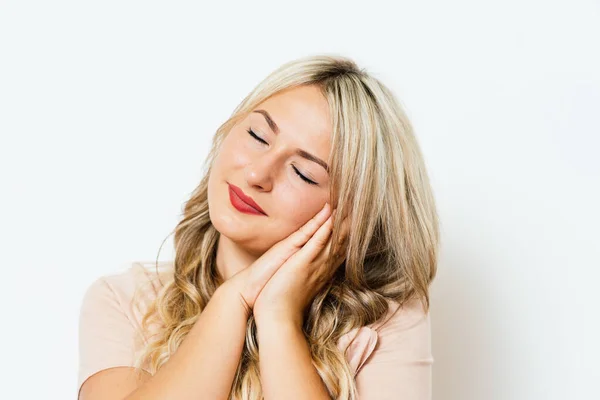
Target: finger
306,232
338,256
288,246
315,245
265,267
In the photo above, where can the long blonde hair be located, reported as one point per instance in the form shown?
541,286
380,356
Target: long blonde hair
377,173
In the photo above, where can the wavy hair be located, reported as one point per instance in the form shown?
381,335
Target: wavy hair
378,175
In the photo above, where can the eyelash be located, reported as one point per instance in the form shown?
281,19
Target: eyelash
305,179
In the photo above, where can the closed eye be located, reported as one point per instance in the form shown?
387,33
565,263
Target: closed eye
251,132
304,178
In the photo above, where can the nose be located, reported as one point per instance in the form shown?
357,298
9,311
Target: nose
259,173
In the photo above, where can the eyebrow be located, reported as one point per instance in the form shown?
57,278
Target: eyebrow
300,152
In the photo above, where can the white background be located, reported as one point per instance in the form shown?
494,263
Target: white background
107,109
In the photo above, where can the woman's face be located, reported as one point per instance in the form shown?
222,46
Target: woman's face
291,127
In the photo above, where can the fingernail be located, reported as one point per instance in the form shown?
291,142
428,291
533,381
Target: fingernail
325,207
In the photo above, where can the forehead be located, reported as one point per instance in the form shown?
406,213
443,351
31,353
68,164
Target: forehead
302,114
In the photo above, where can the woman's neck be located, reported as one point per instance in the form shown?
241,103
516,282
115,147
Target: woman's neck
231,258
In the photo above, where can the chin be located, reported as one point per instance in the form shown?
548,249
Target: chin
227,223
243,234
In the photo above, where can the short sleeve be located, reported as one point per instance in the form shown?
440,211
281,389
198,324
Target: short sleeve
400,366
106,334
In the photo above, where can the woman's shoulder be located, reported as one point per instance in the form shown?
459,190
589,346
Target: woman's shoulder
111,312
402,317
404,331
139,275
129,290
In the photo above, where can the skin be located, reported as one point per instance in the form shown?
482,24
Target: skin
301,237
273,265
264,172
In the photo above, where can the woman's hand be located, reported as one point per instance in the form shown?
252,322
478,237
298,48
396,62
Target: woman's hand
249,282
295,284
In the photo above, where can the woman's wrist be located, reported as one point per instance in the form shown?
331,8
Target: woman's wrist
234,297
278,320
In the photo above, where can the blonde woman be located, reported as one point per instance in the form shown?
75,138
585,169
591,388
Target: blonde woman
303,259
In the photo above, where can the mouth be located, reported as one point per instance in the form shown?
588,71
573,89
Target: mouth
242,202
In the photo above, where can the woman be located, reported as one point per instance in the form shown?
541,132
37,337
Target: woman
303,259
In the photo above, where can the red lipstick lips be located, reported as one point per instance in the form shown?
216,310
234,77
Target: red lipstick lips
242,202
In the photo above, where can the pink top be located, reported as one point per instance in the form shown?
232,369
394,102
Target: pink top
391,359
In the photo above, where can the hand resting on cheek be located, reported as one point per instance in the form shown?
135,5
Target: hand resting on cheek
283,281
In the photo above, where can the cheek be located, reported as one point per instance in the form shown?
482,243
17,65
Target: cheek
234,152
305,206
